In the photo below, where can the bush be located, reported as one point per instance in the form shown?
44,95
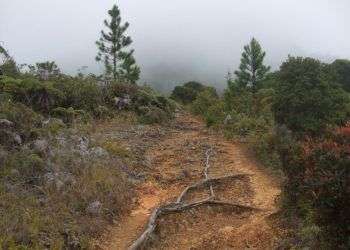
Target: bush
80,94
306,102
264,146
151,115
151,107
70,115
325,183
189,91
215,114
26,123
243,125
41,96
61,200
341,69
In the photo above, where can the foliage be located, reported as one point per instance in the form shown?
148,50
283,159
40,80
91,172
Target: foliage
46,70
203,101
316,182
129,72
26,123
264,146
42,96
45,201
342,73
151,107
83,94
208,105
9,68
70,115
252,71
4,52
305,101
189,92
119,63
237,99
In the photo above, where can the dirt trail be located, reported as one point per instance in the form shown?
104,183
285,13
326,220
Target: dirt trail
178,161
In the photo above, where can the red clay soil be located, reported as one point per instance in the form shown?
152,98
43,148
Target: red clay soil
178,161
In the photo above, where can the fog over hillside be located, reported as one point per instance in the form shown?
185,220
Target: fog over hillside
176,41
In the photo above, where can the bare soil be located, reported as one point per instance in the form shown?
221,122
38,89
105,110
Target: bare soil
176,161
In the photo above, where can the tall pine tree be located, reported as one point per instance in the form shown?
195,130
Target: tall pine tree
252,71
128,69
119,63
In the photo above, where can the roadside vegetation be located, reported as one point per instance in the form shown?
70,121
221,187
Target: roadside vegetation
296,121
59,185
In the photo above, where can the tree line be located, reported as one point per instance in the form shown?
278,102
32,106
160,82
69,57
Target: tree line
296,121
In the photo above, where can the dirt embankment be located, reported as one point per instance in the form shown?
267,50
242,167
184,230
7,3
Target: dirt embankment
177,161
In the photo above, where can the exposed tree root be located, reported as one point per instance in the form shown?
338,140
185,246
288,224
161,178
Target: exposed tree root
209,181
206,170
180,206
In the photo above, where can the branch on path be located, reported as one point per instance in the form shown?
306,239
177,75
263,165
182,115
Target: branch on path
206,170
209,181
179,207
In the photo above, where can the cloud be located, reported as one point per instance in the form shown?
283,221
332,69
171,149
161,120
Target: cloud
176,41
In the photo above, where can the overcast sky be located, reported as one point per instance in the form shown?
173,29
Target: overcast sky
177,40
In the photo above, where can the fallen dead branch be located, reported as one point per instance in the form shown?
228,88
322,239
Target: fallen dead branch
206,170
179,206
209,181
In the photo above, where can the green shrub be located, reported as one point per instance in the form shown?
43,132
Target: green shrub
264,146
24,166
239,100
203,101
80,94
215,114
41,96
70,115
189,91
151,115
208,105
306,102
27,123
102,112
243,125
44,202
325,184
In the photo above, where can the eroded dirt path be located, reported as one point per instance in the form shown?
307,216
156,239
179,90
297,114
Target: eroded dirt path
178,161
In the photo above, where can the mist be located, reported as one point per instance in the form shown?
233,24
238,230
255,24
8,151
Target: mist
176,41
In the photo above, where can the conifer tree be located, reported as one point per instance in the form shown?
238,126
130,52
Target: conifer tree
112,45
129,70
252,70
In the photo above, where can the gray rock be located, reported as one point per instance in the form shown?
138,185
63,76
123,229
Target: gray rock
5,123
50,177
83,145
55,121
94,208
59,184
17,138
98,152
41,146
3,156
14,172
59,180
122,102
228,119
